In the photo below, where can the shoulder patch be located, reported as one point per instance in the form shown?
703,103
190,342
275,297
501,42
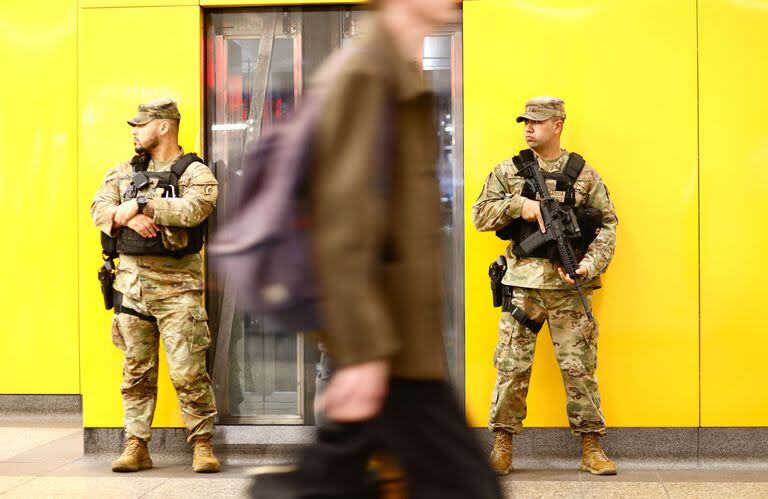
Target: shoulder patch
198,172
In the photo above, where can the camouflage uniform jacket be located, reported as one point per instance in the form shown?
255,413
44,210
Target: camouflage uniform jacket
156,277
501,201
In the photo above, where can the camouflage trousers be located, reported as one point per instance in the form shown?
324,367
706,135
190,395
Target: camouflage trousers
181,324
575,340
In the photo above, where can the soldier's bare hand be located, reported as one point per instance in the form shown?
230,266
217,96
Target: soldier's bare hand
582,271
531,212
143,225
126,212
355,393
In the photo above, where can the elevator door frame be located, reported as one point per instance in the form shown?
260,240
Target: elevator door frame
303,395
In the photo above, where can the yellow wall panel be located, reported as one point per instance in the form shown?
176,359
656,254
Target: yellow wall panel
38,178
627,72
118,70
100,4
734,244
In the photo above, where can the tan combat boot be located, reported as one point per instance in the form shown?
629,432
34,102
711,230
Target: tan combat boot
594,459
203,460
135,457
501,455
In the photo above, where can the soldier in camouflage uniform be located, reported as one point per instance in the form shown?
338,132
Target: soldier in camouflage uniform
163,294
544,292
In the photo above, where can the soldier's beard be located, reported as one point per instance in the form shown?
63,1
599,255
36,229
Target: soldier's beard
146,148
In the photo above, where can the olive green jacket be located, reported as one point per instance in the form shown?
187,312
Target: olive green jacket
375,209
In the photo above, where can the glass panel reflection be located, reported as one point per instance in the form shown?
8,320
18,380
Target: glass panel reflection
257,63
437,68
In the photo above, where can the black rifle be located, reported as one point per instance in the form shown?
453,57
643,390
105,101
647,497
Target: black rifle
561,225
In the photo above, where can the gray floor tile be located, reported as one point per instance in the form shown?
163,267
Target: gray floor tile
543,489
9,482
98,468
18,440
260,455
74,421
683,490
622,476
28,469
207,487
67,448
129,487
231,471
537,475
713,476
762,487
621,490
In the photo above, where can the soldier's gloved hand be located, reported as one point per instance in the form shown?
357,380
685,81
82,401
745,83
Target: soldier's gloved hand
531,212
582,271
126,211
144,226
355,393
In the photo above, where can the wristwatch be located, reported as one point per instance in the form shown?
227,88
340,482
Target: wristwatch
142,202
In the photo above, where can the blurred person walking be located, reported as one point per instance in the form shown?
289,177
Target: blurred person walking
376,252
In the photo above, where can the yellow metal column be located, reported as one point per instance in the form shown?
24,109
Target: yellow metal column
127,56
734,243
38,178
627,72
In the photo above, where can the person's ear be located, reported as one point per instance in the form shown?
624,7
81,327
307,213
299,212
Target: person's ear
559,126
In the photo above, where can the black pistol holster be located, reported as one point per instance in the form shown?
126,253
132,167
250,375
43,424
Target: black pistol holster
106,279
502,295
496,272
108,270
517,312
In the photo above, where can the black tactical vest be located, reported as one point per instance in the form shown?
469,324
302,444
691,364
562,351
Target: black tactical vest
589,219
130,242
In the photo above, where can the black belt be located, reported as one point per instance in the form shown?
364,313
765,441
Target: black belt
120,309
517,312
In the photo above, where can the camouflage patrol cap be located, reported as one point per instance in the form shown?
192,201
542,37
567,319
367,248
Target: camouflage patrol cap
543,108
157,109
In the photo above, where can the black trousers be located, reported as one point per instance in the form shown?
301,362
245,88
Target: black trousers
422,426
